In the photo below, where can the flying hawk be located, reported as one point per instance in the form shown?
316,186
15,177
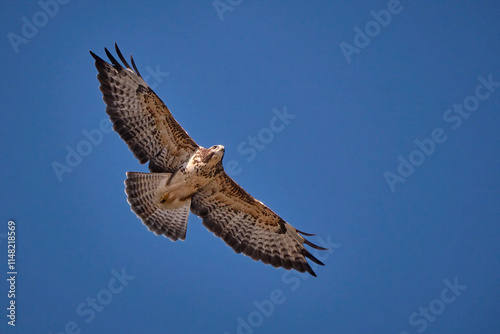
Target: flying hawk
187,177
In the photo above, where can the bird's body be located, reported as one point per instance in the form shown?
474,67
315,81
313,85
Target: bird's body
186,177
201,169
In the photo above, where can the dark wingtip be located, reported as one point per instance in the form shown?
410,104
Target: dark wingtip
135,67
118,52
113,60
304,233
307,242
310,271
312,258
96,57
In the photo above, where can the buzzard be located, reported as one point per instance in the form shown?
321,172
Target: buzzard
187,177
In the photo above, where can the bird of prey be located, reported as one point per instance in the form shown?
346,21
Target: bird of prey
187,177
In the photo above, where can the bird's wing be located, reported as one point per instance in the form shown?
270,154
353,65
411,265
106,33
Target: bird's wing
140,117
250,227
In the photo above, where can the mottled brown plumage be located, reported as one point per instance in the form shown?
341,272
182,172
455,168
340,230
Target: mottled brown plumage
187,177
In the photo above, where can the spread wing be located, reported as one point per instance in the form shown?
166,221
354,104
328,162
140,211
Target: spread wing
140,117
250,227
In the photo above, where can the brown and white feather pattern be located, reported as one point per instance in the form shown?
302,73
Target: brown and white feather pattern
250,227
178,163
142,197
141,118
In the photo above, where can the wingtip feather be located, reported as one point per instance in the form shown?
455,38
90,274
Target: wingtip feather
312,258
120,55
96,57
113,60
135,67
307,242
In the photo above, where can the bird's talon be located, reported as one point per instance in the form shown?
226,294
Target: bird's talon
164,198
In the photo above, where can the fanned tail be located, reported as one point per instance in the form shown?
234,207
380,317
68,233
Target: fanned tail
142,195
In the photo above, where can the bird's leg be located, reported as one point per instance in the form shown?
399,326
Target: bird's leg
166,198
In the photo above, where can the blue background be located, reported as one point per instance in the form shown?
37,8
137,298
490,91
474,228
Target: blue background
323,173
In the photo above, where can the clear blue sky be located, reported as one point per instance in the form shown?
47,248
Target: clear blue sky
391,156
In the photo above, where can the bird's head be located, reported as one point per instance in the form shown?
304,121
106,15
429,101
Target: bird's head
213,155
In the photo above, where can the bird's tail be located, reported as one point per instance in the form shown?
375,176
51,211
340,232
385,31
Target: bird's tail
143,195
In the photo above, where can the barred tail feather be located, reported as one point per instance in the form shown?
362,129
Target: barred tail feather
141,190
